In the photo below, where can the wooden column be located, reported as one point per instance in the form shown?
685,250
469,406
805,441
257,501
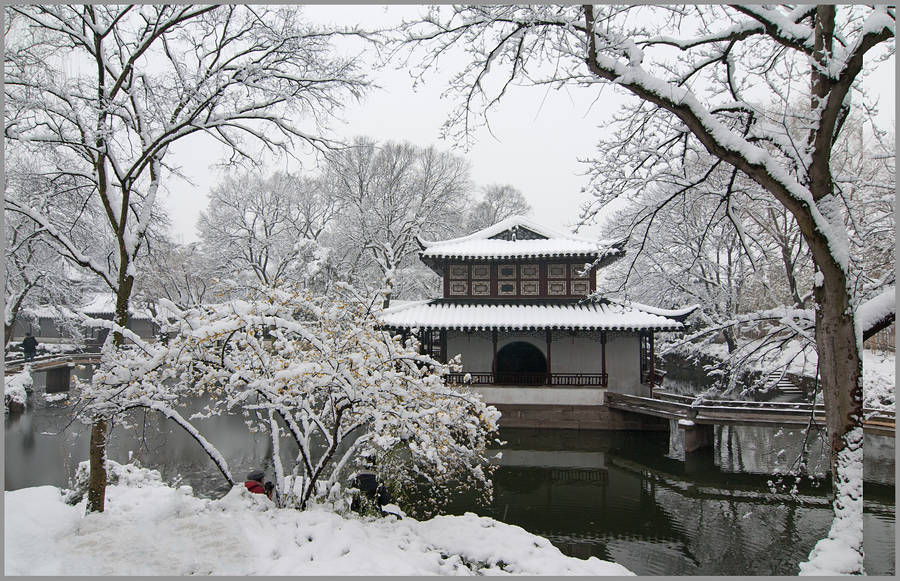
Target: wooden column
603,357
446,268
652,357
494,289
443,358
549,367
494,360
542,279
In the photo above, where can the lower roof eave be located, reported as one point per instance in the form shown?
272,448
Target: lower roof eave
427,327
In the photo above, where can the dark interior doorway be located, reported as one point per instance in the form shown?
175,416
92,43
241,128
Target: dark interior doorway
521,363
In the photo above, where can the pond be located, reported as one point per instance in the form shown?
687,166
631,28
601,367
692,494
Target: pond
620,496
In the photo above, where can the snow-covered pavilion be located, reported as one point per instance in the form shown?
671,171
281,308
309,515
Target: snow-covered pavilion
517,307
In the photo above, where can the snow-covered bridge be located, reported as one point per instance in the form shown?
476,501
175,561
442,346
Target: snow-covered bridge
699,411
52,361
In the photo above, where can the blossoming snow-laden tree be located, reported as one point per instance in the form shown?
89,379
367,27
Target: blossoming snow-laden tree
320,375
724,79
102,92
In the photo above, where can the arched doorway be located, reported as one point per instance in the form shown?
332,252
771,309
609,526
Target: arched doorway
521,363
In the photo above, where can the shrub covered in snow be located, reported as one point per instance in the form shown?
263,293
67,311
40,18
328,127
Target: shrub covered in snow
319,371
132,474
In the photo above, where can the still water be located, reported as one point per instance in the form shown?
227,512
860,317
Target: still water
619,496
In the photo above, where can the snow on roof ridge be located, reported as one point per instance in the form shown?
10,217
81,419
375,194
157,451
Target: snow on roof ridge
506,224
675,313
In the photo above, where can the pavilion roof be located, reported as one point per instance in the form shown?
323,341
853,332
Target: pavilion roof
598,315
518,237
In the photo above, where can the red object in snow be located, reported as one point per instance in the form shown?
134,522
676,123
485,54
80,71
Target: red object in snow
255,487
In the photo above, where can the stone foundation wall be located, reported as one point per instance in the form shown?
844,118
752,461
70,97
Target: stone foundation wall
576,417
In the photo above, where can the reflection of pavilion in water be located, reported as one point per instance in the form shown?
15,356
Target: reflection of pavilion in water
616,497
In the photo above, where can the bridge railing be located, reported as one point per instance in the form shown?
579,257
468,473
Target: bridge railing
50,360
711,402
716,411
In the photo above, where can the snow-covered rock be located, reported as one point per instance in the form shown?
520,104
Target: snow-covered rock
149,528
16,389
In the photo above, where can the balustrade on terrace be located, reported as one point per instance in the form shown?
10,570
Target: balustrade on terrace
513,378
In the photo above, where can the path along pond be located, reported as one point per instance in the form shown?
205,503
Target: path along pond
619,496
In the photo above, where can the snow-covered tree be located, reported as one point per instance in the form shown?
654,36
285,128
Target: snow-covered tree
180,273
109,88
724,79
498,202
722,244
748,267
36,273
265,228
320,373
390,194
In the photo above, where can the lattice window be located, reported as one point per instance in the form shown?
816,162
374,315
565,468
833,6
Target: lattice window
481,271
556,271
459,271
576,269
580,287
459,287
481,288
506,271
506,288
556,287
530,287
528,271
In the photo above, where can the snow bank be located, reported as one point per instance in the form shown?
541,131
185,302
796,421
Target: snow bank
16,386
152,529
879,378
55,397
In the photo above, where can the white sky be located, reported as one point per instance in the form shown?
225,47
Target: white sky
537,134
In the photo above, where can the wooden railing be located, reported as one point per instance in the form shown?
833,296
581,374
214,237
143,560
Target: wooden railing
504,378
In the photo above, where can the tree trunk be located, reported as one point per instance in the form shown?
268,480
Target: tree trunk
730,341
840,369
96,494
97,482
389,285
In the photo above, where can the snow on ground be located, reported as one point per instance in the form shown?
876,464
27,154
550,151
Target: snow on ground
55,397
149,528
879,378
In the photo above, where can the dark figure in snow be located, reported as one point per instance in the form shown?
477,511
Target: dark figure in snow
29,347
255,484
371,494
